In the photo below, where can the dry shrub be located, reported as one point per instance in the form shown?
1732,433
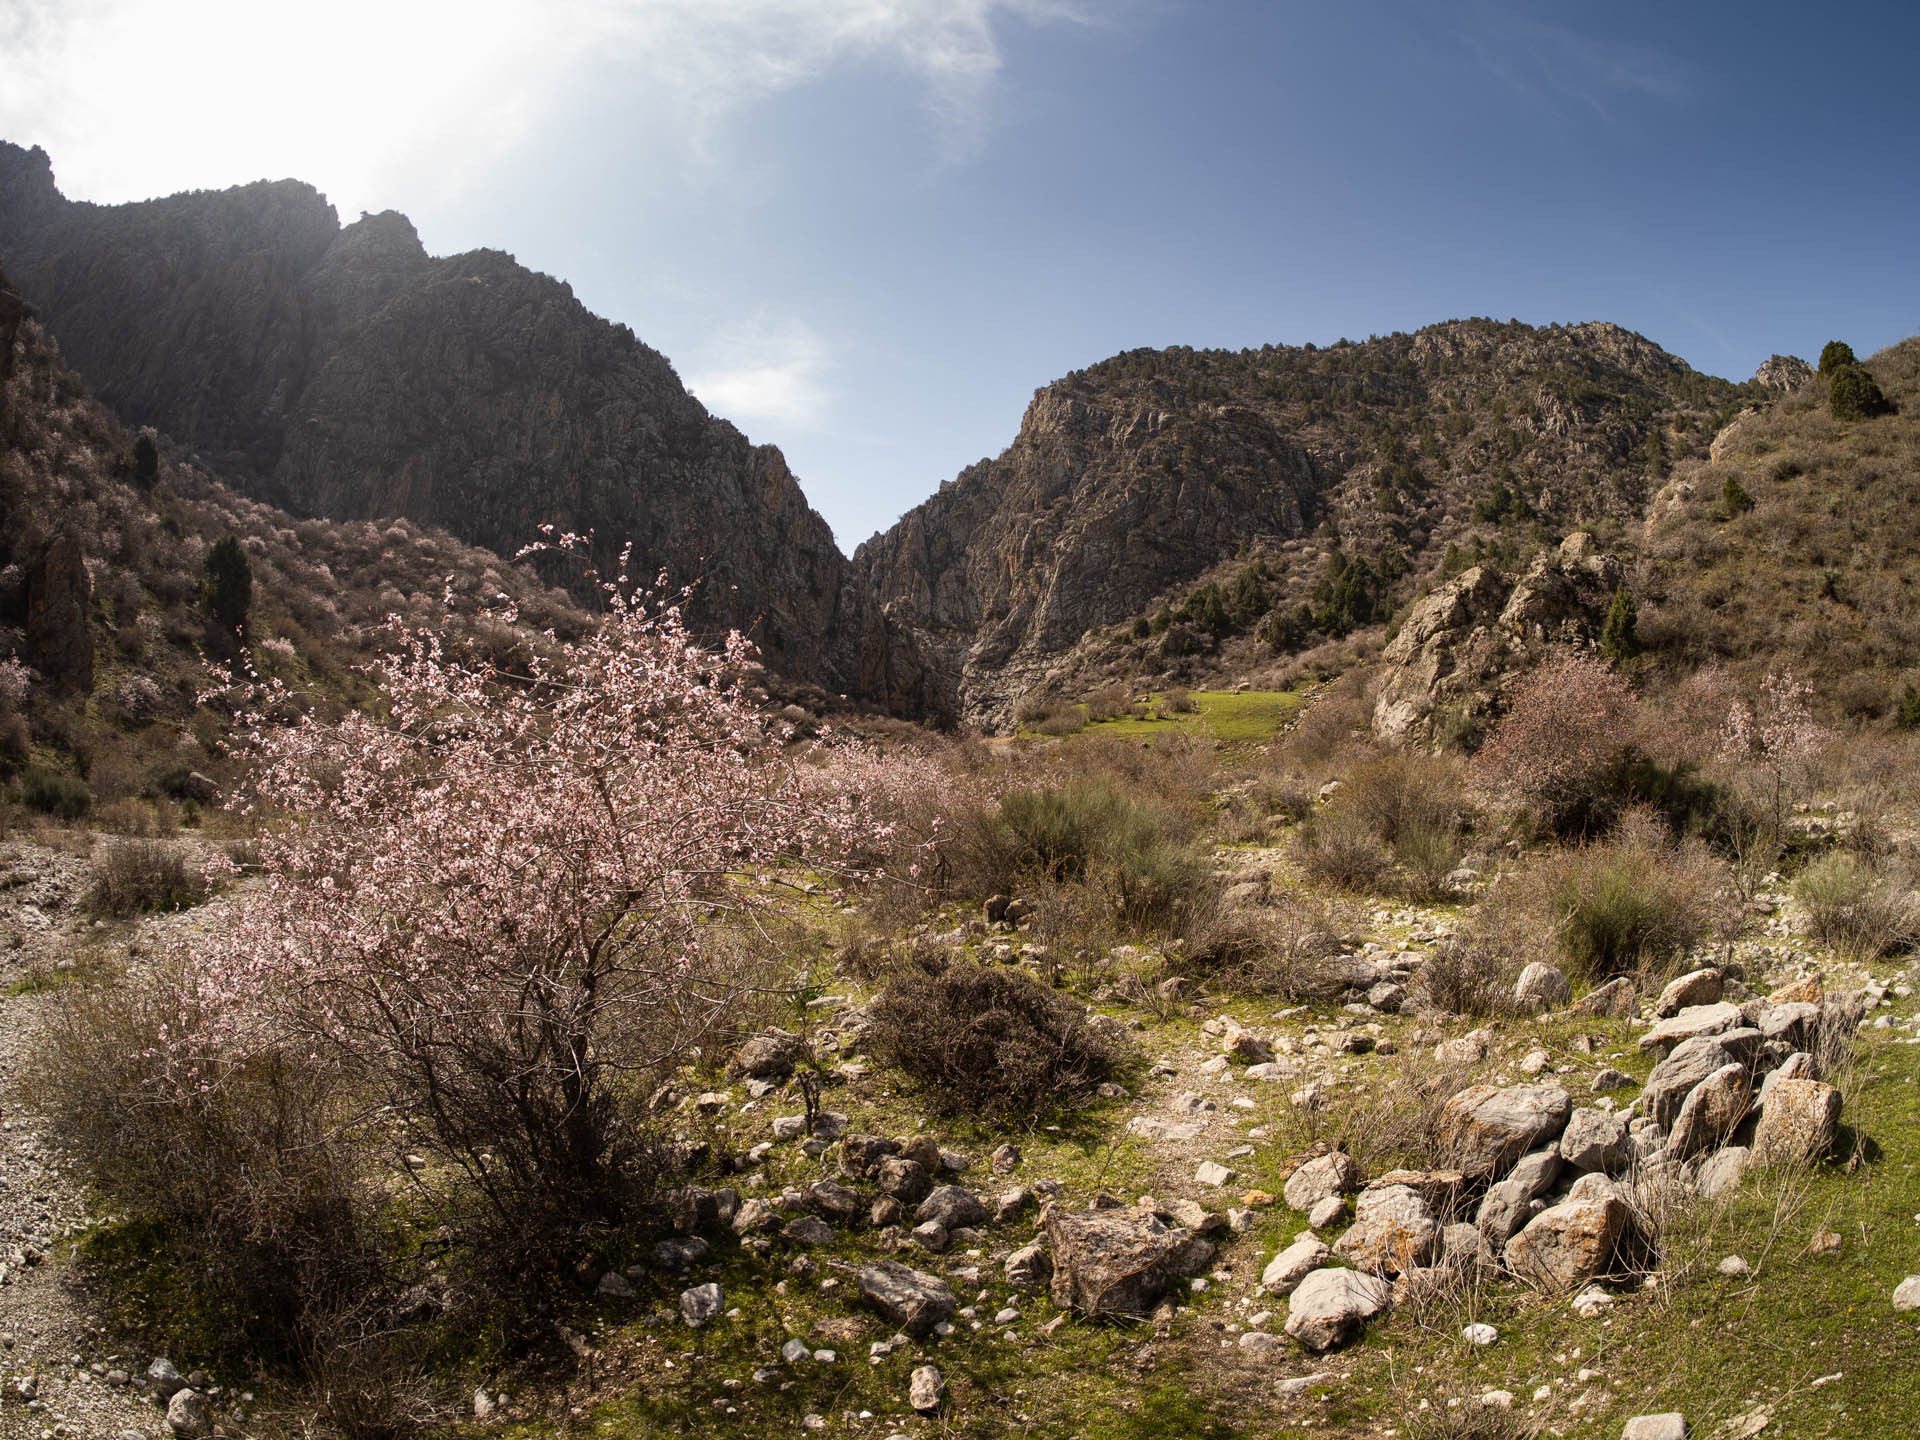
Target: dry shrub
1857,907
263,1200
1178,701
1338,848
1332,721
1066,720
1416,806
134,877
368,1378
1464,978
1390,1122
1286,949
1093,832
1468,1420
1634,904
1109,702
990,1042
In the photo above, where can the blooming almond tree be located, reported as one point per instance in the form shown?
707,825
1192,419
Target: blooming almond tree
506,903
1780,739
1566,720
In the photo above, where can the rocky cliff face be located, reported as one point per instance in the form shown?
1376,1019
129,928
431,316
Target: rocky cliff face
1131,480
343,372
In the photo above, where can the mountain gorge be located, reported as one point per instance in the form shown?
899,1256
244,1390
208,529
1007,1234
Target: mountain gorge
1141,475
342,372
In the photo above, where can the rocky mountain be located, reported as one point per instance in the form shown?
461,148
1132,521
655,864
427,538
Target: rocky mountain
1351,468
343,372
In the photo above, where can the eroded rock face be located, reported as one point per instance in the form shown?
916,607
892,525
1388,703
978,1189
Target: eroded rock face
1485,1129
1460,648
1331,1307
344,372
1111,1263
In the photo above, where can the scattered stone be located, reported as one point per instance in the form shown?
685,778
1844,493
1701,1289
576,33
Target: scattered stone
1611,1079
931,1235
859,1154
163,1379
189,1415
1798,1124
1300,1384
926,1389
809,1230
1906,1295
1617,1000
1591,1302
1721,1171
903,1179
1542,987
911,1299
768,1057
1330,1307
1535,1061
1670,1426
1824,1242
614,1286
701,1304
1292,1265
1005,1159
1733,1265
1479,1335
1327,1211
952,1206
1029,1269
794,1351
1212,1173
1686,1066
1811,990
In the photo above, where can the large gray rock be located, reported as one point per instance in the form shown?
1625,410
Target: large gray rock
163,1379
1484,1130
1616,999
1906,1295
1799,1124
1671,1425
1711,1111
832,1202
1693,1021
953,1206
911,1299
1392,1231
1542,987
1569,1244
1721,1171
1696,987
1292,1265
1116,1263
1330,1174
904,1180
1595,1140
1673,1078
1330,1307
860,1154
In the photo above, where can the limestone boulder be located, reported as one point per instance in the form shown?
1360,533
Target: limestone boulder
1799,1124
1542,987
1595,1139
1392,1231
1569,1244
1292,1265
1331,1307
911,1299
1485,1129
1697,987
1325,1175
1688,1024
1711,1111
1118,1263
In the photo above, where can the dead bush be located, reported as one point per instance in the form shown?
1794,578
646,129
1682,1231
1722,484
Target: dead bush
994,1043
133,877
1109,702
1636,904
1287,948
1858,907
1178,701
1338,848
1464,978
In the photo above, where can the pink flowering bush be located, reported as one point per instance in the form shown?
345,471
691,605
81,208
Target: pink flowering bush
1566,723
1777,742
505,905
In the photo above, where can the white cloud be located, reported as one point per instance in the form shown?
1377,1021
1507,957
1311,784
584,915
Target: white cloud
768,370
374,100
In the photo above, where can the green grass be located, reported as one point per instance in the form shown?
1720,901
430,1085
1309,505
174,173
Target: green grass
1245,717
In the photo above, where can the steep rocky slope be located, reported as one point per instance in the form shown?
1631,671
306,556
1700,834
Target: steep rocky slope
1136,478
343,372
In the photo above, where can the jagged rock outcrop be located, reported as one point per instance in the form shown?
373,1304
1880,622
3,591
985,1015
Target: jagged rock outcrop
1133,481
1093,511
1783,372
59,636
344,372
1457,648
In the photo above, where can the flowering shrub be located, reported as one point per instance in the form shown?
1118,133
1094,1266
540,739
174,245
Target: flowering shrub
1567,721
1778,741
504,905
15,681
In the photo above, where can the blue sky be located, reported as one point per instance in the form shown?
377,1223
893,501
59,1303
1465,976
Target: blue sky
866,230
